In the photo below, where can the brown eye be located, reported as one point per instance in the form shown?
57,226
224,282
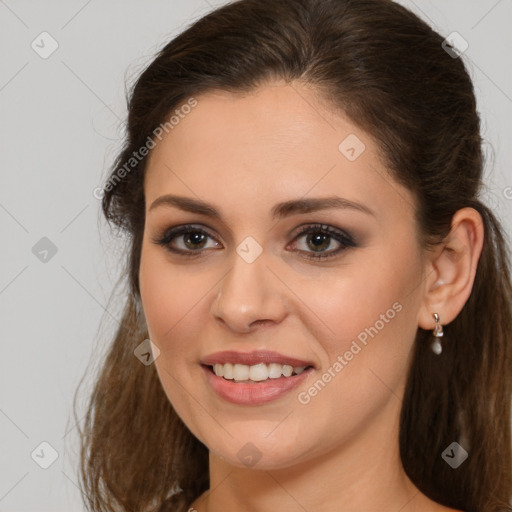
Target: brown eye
187,240
319,238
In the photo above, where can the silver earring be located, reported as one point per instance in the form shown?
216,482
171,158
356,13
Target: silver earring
436,346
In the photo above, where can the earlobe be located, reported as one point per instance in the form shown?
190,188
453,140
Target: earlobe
452,269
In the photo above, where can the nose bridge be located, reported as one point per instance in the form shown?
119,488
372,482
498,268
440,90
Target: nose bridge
249,291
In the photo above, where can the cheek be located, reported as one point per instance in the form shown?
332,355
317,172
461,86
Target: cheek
171,300
369,313
169,294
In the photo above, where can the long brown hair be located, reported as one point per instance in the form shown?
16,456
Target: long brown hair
388,71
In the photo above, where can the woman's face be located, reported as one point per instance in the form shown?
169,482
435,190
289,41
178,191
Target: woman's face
246,290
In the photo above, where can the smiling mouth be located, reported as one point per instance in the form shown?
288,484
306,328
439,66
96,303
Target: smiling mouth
260,372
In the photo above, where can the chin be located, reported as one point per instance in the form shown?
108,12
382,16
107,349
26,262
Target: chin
255,451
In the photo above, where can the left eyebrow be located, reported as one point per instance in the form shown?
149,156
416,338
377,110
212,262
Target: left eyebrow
300,206
280,210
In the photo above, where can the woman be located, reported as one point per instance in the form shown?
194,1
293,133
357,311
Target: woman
319,306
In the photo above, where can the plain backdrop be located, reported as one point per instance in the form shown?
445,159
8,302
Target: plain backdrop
61,124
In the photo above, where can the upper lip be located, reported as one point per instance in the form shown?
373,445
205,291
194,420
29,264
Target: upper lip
252,358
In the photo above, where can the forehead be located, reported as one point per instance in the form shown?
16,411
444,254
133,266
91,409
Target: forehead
278,142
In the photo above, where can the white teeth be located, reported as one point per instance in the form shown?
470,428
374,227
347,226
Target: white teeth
256,373
274,370
241,372
287,370
228,371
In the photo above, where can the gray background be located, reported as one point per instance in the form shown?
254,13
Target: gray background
61,125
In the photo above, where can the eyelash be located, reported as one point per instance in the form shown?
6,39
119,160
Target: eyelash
344,239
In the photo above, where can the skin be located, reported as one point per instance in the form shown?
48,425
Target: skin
243,154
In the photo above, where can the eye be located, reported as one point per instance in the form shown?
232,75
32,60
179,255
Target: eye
319,238
188,240
192,240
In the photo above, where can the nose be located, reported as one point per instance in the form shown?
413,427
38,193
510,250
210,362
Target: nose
250,295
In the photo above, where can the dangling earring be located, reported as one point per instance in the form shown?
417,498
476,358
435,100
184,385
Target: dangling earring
436,346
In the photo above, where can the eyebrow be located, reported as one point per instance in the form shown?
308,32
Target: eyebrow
280,210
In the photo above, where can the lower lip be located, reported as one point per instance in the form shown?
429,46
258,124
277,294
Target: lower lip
257,393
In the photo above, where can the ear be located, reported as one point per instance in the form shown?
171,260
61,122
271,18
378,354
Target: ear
451,269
